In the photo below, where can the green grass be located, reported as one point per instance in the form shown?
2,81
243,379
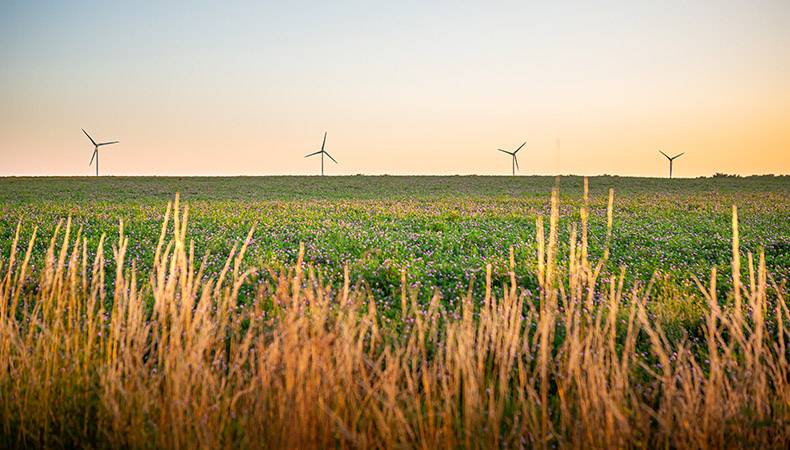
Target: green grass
441,230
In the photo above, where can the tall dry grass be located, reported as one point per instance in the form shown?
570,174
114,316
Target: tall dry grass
171,359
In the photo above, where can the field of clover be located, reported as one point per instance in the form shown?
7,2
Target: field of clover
440,231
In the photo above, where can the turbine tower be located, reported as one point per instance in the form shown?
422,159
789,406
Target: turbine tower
513,154
322,152
96,150
670,160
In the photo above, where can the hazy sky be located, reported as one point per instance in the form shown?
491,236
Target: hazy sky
407,87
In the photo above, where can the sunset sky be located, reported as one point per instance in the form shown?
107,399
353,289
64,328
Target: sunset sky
408,87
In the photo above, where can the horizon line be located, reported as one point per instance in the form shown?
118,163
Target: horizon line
715,175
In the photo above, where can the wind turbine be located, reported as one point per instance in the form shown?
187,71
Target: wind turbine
513,154
322,152
96,150
670,160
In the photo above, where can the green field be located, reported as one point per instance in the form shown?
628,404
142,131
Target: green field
401,278
441,230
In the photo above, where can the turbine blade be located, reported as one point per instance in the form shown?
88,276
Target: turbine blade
108,143
323,143
330,157
664,154
89,136
504,151
679,155
93,156
516,161
519,147
311,154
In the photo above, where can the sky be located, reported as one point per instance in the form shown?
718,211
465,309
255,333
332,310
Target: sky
407,87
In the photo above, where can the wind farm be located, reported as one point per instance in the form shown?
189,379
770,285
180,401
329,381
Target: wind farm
212,287
322,152
329,290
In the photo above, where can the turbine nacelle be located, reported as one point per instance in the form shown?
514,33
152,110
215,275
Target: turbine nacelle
673,157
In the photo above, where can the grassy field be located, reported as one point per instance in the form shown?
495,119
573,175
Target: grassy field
442,230
394,311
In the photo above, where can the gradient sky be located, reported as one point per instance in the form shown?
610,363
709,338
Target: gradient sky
408,87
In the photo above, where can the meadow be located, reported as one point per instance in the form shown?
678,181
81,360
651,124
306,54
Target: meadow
394,312
441,230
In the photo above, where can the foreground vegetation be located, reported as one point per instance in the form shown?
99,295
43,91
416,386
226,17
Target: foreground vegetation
172,355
